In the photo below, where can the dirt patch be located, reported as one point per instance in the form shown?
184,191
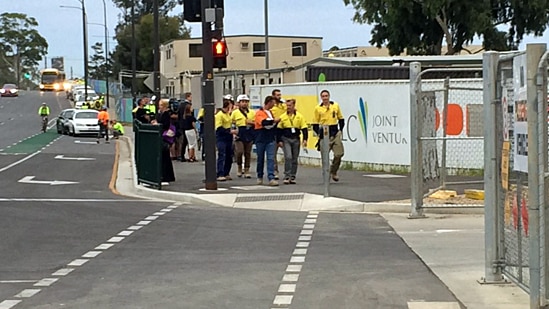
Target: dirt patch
457,200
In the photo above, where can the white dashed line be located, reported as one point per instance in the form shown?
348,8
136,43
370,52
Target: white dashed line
78,262
26,293
46,282
159,213
116,239
91,254
287,288
63,272
8,304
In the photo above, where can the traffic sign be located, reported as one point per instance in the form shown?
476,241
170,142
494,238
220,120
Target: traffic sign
149,82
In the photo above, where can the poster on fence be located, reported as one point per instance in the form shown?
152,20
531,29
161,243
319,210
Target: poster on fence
520,126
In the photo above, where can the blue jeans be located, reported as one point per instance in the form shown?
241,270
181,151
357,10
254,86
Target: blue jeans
263,149
224,157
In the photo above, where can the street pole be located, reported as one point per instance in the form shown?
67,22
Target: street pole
156,58
106,53
85,28
266,8
208,99
134,56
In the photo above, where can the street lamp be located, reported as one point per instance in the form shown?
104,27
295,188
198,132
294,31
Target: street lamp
85,39
106,60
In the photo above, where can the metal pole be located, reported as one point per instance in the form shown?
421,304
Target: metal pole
416,166
106,53
134,56
266,8
208,100
85,28
156,46
325,154
534,53
492,271
443,171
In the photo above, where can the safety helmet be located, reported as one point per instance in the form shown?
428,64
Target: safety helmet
228,97
43,103
242,97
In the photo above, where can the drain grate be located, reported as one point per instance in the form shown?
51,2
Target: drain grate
268,198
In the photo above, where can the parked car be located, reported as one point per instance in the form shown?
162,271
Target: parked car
9,90
62,120
83,122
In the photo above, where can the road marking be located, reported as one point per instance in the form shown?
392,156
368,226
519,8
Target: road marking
17,281
159,213
433,305
254,187
143,222
287,287
46,282
80,142
18,162
7,304
26,293
125,233
63,272
383,176
30,180
78,262
151,218
62,157
71,200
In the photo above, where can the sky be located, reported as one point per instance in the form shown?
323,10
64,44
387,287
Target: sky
330,19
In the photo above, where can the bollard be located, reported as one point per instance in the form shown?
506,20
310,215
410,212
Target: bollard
325,155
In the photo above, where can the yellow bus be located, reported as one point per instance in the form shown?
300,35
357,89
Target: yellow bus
52,80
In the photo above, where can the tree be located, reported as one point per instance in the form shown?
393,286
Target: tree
423,26
171,28
96,64
144,7
20,42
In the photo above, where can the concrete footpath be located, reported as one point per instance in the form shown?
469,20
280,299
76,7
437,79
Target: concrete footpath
451,245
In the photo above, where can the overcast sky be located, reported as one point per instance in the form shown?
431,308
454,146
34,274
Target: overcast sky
330,19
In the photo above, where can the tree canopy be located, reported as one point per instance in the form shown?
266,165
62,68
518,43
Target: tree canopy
21,45
424,26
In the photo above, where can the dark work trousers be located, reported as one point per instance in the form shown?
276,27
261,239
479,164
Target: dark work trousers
224,157
103,129
291,153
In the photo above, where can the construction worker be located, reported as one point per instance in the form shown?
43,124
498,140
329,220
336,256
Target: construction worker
329,113
265,140
278,109
103,121
244,119
117,128
292,125
224,132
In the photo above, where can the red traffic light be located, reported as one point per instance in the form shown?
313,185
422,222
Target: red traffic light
220,49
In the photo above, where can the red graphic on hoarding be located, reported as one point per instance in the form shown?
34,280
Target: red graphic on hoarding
454,123
523,214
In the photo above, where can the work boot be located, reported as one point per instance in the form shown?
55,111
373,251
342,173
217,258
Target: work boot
239,172
276,175
247,173
259,181
335,177
273,183
221,178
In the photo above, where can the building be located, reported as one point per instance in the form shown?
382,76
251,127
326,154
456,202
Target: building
182,59
372,51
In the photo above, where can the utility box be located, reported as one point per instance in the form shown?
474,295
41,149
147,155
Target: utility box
196,90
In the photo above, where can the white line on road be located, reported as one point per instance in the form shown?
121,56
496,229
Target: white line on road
103,246
63,272
78,262
26,293
91,254
125,233
5,168
46,282
70,200
116,239
8,304
17,281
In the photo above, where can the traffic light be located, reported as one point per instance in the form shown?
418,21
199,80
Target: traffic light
27,75
219,54
192,9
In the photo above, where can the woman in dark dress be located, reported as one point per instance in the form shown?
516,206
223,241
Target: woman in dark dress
163,119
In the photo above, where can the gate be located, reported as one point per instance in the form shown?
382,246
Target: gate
446,137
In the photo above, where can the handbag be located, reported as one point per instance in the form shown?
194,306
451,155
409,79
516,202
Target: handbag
169,135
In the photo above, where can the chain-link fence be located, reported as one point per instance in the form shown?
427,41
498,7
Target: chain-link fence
448,120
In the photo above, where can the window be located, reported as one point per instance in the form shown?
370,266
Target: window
253,81
271,81
299,49
259,50
195,50
169,53
230,84
262,81
279,80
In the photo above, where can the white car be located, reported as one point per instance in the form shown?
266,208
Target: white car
83,122
75,89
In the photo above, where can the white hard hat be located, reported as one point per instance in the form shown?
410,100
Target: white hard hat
242,97
228,97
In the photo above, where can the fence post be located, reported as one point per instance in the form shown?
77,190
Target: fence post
534,53
492,269
416,163
443,171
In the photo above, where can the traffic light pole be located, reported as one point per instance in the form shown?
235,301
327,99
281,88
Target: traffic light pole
208,99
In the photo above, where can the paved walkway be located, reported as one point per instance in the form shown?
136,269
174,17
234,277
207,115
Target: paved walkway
456,257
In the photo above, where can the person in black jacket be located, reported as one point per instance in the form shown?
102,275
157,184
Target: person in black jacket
163,119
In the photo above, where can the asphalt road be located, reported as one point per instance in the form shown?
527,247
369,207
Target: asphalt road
75,244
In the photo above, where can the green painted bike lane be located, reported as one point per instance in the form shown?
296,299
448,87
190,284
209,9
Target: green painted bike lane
33,143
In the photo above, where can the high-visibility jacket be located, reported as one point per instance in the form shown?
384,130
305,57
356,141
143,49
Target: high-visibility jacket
44,111
103,117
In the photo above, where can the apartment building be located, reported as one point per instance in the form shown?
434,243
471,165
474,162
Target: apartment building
182,59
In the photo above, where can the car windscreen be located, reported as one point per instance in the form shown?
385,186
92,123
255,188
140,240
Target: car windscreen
9,86
86,115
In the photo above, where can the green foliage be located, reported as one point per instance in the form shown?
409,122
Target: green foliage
145,7
21,45
96,64
423,26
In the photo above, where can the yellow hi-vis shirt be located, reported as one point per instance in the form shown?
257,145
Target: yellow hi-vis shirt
296,121
223,120
118,127
239,119
278,109
327,115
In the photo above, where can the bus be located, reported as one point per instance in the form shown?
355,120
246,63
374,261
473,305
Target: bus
52,80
